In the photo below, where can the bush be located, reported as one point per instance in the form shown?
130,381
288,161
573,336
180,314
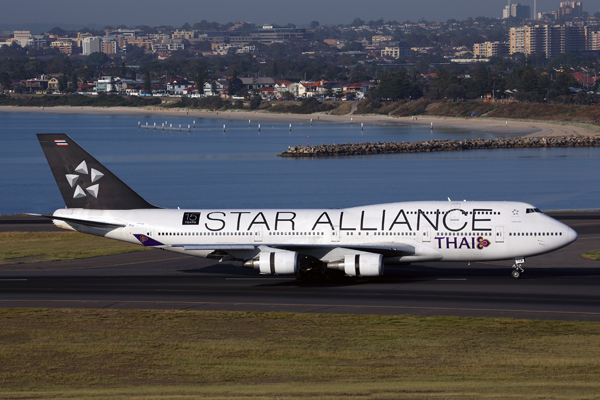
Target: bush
255,102
307,106
78,100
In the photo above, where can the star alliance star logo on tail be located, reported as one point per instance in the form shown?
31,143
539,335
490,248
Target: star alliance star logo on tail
82,169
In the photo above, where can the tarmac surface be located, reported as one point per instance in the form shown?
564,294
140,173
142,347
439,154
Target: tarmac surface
561,285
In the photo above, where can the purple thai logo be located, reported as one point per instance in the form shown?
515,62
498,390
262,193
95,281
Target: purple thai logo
148,241
482,243
454,242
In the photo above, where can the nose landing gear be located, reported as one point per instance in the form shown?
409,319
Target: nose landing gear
517,269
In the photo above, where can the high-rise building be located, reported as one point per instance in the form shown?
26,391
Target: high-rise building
91,45
594,41
547,39
109,46
570,8
517,40
516,11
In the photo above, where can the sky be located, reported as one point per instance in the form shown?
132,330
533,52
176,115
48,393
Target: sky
299,12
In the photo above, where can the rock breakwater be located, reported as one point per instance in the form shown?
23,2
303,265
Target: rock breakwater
358,149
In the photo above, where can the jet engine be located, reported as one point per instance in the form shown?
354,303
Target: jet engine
359,265
275,262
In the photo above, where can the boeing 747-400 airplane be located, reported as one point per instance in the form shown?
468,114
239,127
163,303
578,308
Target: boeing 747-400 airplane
358,241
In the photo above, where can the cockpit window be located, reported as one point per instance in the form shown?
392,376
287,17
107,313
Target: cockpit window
532,210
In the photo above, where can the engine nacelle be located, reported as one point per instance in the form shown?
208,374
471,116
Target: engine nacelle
275,262
360,265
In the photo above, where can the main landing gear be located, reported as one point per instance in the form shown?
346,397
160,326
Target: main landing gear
517,269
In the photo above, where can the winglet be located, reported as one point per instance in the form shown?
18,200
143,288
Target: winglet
147,241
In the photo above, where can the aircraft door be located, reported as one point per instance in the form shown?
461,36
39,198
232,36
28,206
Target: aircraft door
258,237
140,229
426,234
335,234
455,215
499,234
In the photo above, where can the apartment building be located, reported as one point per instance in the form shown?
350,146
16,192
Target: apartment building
109,46
594,41
23,38
570,8
489,49
378,39
516,11
90,45
549,40
140,42
517,40
167,47
64,46
187,35
396,52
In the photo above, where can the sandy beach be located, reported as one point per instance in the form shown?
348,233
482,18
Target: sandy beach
495,126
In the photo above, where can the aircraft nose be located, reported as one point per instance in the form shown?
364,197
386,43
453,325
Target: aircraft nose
571,235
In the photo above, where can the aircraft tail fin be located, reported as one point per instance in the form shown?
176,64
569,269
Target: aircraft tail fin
83,181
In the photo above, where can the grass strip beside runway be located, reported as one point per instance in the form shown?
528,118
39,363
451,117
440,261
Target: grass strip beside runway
100,353
593,255
30,247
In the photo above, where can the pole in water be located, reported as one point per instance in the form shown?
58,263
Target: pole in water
362,127
258,127
432,126
249,123
146,125
163,127
139,124
194,123
155,126
290,127
171,127
350,120
223,128
311,122
188,129
179,127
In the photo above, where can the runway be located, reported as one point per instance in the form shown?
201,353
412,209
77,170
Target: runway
560,285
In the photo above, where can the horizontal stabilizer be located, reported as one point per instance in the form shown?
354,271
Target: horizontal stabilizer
94,224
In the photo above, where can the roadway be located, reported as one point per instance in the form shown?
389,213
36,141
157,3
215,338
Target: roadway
560,285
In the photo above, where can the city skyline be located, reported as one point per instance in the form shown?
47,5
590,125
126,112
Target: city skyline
153,13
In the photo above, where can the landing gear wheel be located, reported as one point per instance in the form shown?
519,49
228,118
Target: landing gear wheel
517,268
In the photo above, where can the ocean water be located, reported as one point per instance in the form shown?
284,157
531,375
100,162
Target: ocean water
238,168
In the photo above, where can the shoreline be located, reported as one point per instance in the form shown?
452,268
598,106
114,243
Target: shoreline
501,127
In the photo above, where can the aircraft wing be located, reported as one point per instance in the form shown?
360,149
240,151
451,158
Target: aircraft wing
385,249
221,247
327,253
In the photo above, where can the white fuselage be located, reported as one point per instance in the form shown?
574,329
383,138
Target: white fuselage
436,231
